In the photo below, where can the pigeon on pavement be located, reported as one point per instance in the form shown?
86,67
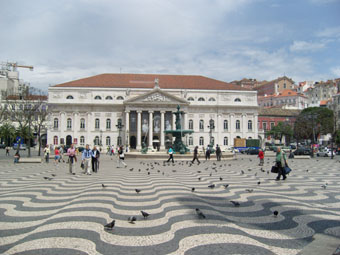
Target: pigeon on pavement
199,213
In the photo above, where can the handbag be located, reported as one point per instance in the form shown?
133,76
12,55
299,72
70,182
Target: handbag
274,169
82,165
287,169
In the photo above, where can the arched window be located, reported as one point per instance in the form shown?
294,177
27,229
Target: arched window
109,98
119,141
212,124
225,125
191,99
82,140
82,123
55,140
250,125
212,140
212,99
96,140
96,123
120,98
201,140
201,124
55,123
119,121
238,125
191,140
225,140
69,123
201,99
69,97
191,124
237,100
108,141
108,123
98,98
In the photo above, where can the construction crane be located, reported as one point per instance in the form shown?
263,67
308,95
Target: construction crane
15,65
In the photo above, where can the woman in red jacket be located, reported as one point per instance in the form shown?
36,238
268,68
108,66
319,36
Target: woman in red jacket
261,156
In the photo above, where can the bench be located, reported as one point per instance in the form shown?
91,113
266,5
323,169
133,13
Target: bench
302,157
322,244
30,160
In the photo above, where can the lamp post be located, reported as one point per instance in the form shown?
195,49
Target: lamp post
101,138
312,117
211,127
119,127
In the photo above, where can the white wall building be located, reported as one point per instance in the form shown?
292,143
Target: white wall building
87,111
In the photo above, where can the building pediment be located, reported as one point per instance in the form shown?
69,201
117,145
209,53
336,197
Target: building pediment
156,96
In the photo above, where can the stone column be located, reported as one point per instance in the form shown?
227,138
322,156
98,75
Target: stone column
75,127
231,128
162,147
150,129
139,130
127,127
244,126
256,134
62,127
219,127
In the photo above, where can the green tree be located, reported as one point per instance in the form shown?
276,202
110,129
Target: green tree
314,120
282,129
7,132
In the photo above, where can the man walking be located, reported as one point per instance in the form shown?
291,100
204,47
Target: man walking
171,156
218,153
71,153
196,155
95,159
86,159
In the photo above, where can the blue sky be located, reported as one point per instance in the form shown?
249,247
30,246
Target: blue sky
223,39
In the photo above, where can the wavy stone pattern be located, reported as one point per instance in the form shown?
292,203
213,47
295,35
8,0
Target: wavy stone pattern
66,215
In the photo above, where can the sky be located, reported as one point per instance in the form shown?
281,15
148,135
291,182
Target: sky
222,39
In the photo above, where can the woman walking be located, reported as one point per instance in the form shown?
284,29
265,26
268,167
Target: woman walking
281,163
121,157
196,155
56,155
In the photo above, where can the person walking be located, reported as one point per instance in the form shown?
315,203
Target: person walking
95,159
171,154
196,155
56,155
47,153
7,150
207,153
218,153
261,157
281,163
86,159
121,157
72,158
16,157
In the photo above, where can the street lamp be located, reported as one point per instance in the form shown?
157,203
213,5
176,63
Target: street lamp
312,117
101,138
119,126
211,127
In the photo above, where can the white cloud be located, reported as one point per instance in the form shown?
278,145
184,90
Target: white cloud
306,46
336,71
329,32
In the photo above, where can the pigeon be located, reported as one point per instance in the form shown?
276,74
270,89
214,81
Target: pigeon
145,214
258,183
137,190
48,178
276,213
199,213
242,172
103,185
221,179
174,171
110,225
199,172
211,186
139,170
192,189
324,186
148,173
53,175
199,178
225,185
250,190
210,174
131,169
132,219
235,203
255,174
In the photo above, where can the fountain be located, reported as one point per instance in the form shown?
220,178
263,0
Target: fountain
178,145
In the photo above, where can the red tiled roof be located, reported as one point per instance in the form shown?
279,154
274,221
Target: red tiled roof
148,81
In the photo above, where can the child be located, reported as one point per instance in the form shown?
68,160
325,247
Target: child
16,157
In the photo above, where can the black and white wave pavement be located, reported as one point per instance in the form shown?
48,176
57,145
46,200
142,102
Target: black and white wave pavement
66,214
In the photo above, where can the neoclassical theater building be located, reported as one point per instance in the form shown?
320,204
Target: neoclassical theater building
132,109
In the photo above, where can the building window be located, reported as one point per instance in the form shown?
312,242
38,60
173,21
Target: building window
82,123
225,125
201,125
55,140
108,123
119,121
284,85
272,124
212,99
264,125
69,123
225,140
237,100
69,97
191,124
119,140
55,123
109,98
191,140
201,99
96,140
108,141
82,140
120,98
97,124
201,140
250,125
212,140
98,98
238,125
190,99
212,124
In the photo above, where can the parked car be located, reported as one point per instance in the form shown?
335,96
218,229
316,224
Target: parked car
252,151
21,147
302,151
324,153
2,146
